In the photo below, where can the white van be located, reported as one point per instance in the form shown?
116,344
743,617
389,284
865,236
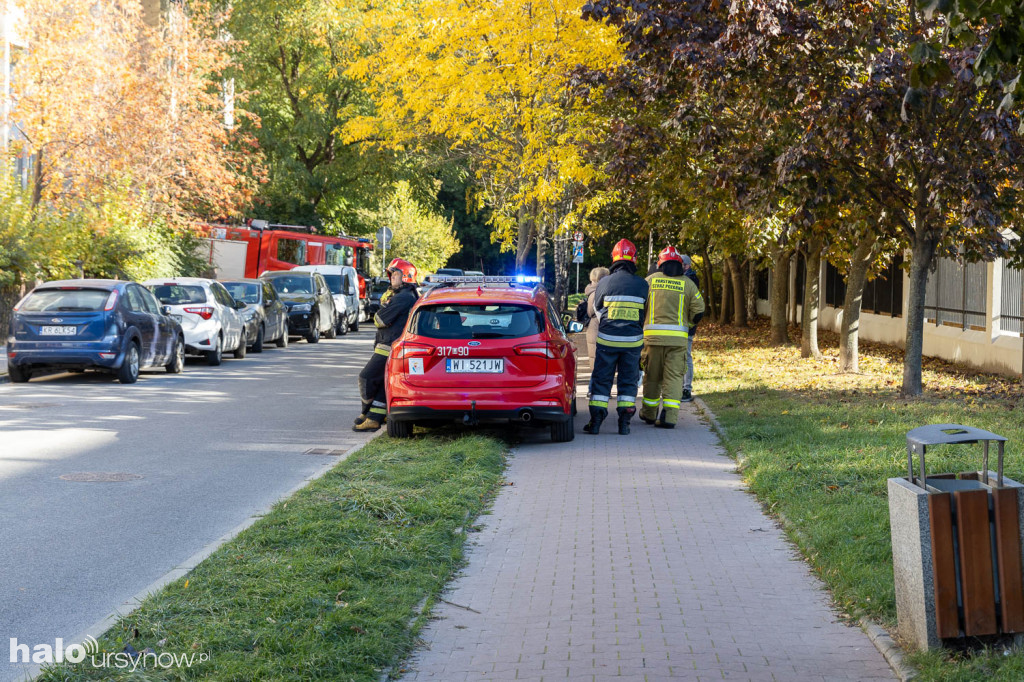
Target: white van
343,281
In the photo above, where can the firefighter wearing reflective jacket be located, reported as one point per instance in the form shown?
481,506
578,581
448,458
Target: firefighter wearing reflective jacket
674,305
390,321
619,303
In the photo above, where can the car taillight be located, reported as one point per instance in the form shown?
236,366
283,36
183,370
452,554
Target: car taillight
111,300
205,312
547,350
415,350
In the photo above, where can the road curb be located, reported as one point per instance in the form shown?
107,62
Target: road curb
878,635
97,629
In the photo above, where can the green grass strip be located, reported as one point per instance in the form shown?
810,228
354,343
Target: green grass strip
327,585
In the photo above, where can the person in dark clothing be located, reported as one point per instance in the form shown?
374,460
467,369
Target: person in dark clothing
390,321
620,303
687,396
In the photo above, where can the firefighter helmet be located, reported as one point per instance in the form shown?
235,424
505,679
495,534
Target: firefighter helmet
624,250
669,253
407,269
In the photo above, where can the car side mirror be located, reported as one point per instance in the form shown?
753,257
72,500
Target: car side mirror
165,310
239,305
575,327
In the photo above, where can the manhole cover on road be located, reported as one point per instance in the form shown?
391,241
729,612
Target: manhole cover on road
325,451
100,477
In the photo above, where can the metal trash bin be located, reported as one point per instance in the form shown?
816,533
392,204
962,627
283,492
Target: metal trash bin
956,544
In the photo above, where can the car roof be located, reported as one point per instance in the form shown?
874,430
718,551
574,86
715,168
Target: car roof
84,283
472,293
247,280
280,273
319,268
178,280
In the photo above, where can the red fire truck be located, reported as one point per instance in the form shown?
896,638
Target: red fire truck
236,251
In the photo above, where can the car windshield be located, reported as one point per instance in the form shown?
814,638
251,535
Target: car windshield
333,283
293,284
247,292
498,321
178,294
65,300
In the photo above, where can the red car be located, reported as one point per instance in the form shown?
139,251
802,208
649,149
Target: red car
482,349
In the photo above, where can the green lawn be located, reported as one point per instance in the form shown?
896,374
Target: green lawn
817,447
334,583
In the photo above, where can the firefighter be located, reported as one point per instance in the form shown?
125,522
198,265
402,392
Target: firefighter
674,305
619,304
390,321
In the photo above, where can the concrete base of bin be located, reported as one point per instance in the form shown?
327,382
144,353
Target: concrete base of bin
913,571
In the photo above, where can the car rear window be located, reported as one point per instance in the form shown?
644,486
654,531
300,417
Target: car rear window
482,321
247,292
65,300
293,284
179,294
333,283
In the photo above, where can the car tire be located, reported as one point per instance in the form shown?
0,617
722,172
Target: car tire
399,429
18,375
177,363
282,341
354,327
257,345
314,330
214,357
341,328
562,432
240,351
332,331
128,373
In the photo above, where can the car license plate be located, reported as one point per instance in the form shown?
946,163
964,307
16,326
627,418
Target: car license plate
474,365
58,331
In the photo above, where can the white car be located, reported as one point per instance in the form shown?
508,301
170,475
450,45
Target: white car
211,319
343,281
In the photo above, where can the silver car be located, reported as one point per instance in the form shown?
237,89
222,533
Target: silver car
209,316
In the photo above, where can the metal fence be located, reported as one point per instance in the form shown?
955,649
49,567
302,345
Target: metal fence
882,296
1011,317
955,295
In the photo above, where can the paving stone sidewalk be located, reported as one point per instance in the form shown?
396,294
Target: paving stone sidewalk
636,557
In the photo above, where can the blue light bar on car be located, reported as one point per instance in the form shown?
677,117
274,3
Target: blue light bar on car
469,279
527,279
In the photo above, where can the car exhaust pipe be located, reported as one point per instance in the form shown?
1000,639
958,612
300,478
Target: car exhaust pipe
469,419
526,415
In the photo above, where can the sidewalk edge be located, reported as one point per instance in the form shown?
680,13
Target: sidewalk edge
126,608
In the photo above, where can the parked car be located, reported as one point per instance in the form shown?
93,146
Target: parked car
211,318
101,324
343,281
311,309
377,288
266,312
473,352
455,272
474,273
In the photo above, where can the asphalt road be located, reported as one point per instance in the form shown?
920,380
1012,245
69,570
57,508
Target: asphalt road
212,447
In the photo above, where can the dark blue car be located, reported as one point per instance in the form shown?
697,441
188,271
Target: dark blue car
100,324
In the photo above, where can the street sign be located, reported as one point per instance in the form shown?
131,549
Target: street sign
577,252
578,237
384,235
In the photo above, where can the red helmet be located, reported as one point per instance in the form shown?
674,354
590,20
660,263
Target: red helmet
407,269
624,250
669,253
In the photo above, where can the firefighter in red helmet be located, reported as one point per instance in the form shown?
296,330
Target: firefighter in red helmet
390,320
620,302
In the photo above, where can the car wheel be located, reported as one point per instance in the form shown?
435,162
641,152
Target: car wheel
341,328
257,345
399,429
213,357
240,351
177,363
314,330
18,375
332,331
562,432
129,371
355,325
282,341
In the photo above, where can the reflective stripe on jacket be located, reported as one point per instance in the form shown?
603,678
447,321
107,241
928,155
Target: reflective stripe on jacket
671,305
619,303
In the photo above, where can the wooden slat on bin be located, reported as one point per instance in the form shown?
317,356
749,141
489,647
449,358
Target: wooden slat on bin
940,514
1011,578
976,581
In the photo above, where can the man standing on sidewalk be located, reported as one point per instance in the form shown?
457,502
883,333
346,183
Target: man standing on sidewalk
619,303
689,272
390,321
673,306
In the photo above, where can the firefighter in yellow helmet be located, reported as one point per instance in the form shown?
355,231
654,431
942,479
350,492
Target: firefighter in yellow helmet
673,306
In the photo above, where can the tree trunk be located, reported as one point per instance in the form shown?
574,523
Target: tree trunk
37,182
812,278
709,286
791,286
726,309
561,247
923,252
779,296
524,240
542,244
739,293
751,290
849,334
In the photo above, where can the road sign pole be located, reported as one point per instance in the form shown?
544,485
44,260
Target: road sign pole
577,278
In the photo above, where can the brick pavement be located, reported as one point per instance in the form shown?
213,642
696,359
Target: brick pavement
636,557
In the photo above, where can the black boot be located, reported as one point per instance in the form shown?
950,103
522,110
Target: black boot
597,415
625,414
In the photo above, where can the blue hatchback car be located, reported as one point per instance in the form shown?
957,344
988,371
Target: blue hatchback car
101,324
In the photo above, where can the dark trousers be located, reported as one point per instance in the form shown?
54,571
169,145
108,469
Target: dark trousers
372,387
609,361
